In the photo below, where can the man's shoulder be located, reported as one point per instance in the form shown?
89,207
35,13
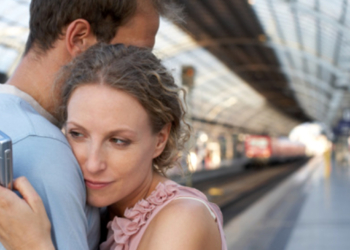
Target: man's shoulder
42,154
19,120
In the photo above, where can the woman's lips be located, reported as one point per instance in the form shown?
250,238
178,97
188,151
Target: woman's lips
96,185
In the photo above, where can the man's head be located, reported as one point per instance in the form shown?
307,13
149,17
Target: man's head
133,22
62,29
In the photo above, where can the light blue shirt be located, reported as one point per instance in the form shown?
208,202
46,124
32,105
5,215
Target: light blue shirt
42,154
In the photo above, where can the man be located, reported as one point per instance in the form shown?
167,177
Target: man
60,30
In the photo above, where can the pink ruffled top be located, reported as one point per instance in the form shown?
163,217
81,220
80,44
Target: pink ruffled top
126,233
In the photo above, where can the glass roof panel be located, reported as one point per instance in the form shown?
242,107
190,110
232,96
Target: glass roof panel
308,3
8,55
308,33
311,67
330,41
332,8
316,54
14,19
347,18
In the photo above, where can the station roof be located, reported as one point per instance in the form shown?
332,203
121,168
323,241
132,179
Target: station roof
219,96
238,50
294,52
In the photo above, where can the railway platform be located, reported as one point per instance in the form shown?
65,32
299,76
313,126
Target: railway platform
309,210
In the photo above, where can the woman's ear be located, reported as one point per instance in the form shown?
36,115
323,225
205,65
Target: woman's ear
79,37
162,139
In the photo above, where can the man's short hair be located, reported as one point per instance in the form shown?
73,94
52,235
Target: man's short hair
49,17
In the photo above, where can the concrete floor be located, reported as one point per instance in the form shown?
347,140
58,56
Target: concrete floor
310,210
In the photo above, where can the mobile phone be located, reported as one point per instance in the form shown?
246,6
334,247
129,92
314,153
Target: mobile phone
6,163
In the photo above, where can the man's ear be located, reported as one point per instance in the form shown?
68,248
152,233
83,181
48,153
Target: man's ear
79,37
162,139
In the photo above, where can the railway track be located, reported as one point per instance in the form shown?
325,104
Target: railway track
235,193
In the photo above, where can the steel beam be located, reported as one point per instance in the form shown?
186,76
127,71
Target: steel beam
289,71
318,15
338,94
337,98
276,46
300,39
318,38
335,70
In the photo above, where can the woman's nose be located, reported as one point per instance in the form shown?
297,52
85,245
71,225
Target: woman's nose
95,161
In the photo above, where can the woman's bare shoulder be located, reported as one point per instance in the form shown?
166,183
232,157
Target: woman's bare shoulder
182,224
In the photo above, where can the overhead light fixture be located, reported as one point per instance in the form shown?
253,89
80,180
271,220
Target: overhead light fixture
203,137
262,38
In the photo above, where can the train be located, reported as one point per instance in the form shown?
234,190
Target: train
215,147
267,150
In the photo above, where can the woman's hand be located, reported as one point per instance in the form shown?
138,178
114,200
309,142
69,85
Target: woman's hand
23,222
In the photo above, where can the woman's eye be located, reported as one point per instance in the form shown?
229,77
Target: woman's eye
119,141
75,134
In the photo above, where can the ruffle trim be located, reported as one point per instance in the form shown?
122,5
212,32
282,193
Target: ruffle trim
121,229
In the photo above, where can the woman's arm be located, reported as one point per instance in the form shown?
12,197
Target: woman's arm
23,222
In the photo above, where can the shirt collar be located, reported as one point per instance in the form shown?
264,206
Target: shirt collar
12,90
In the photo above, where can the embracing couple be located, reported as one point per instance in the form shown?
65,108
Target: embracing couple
123,123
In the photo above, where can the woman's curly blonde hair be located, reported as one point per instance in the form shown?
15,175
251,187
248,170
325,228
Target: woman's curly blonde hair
139,73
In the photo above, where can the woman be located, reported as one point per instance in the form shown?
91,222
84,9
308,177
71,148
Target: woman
125,124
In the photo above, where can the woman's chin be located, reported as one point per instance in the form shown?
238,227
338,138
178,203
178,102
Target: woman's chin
98,202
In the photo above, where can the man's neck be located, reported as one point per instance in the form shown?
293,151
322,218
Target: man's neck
35,76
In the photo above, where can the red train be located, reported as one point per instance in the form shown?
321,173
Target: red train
265,149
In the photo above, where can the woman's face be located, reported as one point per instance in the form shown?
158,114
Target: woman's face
111,137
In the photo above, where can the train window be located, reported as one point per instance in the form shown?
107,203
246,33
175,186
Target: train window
261,142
